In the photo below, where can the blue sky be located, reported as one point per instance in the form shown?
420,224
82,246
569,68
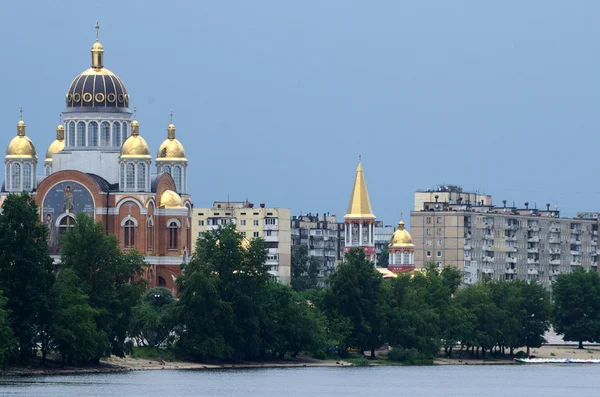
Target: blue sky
274,100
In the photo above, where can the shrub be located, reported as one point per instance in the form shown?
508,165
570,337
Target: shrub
521,354
320,355
401,354
360,361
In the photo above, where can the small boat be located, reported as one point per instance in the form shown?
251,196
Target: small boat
558,360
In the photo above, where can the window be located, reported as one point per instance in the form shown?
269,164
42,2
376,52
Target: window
438,220
438,231
243,222
105,134
439,254
255,234
161,281
93,134
270,221
177,177
428,243
200,234
201,222
16,177
129,234
255,222
439,243
428,220
116,134
122,176
428,254
81,133
173,229
269,232
141,178
130,176
150,233
48,170
243,234
242,213
124,133
167,169
428,231
27,177
406,258
65,223
71,133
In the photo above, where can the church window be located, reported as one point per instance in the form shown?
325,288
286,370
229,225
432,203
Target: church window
130,177
71,141
81,133
27,177
16,177
116,131
93,134
124,133
129,234
141,177
150,229
8,174
167,169
173,232
406,258
65,223
48,169
105,134
161,281
177,177
122,176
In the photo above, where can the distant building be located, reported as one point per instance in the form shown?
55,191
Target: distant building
272,224
487,241
324,238
383,235
401,251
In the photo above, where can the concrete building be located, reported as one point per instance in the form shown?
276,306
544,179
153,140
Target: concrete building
383,235
487,241
272,224
447,194
324,238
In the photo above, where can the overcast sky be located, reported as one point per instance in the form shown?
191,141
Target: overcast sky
274,100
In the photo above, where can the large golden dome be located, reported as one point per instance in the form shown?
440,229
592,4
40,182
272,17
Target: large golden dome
20,146
135,146
401,237
171,148
58,145
170,199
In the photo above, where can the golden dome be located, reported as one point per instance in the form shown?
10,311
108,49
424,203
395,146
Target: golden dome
171,148
135,146
20,146
401,237
97,46
58,145
170,199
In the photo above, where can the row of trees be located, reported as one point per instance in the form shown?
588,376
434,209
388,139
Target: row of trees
92,304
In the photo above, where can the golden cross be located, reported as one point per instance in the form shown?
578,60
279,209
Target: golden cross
401,216
97,28
60,117
135,113
21,113
171,116
359,157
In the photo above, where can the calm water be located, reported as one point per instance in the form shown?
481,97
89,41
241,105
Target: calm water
453,380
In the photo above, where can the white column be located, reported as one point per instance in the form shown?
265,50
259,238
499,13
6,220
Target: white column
21,169
360,235
135,177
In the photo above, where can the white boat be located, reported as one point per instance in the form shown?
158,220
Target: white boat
558,360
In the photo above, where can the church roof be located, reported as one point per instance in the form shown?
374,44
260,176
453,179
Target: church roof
360,205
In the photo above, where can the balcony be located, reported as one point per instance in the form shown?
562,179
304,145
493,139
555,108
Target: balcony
533,261
488,236
555,251
555,262
510,260
508,270
271,227
488,259
576,231
533,228
575,252
594,242
553,240
487,247
575,263
594,232
575,241
487,270
467,247
533,239
554,229
533,271
533,250
271,238
511,226
512,249
554,272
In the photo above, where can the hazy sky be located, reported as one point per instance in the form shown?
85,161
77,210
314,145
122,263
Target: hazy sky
274,100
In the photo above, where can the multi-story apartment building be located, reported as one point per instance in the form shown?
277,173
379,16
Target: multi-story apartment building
448,194
272,224
324,238
383,236
486,241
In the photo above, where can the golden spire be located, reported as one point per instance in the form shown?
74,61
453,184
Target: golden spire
97,52
360,205
171,127
21,123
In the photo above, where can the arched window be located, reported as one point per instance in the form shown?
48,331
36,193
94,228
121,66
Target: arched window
130,177
124,133
71,141
27,177
116,134
93,134
8,178
162,282
406,259
105,134
150,232
16,177
65,223
48,169
173,235
81,133
177,177
129,234
122,176
141,178
167,169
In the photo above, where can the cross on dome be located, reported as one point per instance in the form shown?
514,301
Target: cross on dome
97,29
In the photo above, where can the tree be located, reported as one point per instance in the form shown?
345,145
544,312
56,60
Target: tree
26,270
8,345
111,279
313,272
577,306
536,312
383,257
153,318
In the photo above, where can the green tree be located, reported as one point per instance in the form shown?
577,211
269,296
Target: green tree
26,270
383,257
8,343
536,312
313,272
577,306
154,318
304,268
111,279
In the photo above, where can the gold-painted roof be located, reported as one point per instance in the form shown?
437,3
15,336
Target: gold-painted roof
58,145
135,146
171,148
401,237
170,199
20,146
360,205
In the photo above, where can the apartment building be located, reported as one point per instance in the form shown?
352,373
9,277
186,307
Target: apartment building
324,238
502,242
449,194
383,236
271,224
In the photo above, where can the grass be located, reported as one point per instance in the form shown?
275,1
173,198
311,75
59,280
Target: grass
359,361
153,353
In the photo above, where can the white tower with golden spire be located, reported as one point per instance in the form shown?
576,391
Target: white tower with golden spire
55,147
135,162
20,162
171,159
359,221
401,250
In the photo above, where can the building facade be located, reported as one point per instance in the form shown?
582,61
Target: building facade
383,235
271,224
487,241
100,165
359,221
324,238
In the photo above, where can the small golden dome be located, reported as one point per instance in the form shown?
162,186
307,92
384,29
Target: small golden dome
170,199
401,237
135,145
97,46
55,147
171,148
20,146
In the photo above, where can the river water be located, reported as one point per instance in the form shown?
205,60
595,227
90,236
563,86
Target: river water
448,380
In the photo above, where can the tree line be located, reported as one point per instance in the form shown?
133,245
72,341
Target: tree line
93,303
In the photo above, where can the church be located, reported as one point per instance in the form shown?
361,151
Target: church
101,165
